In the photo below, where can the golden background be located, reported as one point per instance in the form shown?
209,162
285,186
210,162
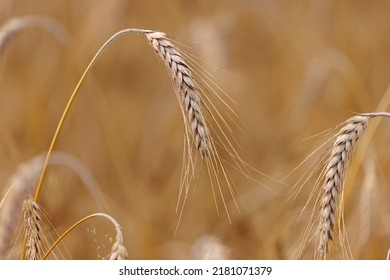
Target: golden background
295,69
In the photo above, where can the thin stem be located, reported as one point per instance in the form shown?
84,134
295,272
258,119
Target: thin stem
75,225
71,100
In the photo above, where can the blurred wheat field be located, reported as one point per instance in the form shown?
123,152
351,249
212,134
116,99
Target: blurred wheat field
294,71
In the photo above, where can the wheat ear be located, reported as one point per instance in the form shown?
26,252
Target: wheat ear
188,94
118,250
32,230
20,183
335,173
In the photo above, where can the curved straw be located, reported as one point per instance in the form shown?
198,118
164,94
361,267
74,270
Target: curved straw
71,100
111,219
